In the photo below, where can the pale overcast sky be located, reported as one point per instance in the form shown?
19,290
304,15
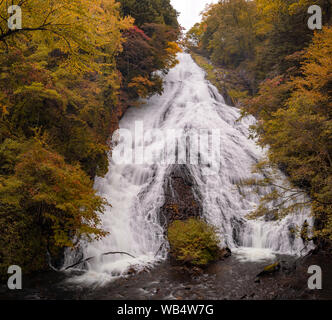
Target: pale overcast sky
190,10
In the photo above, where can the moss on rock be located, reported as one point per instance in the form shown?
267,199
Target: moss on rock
193,242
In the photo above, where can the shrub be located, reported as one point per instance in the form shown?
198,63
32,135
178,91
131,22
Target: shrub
193,242
45,205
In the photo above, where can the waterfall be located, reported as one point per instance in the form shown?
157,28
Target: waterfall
135,188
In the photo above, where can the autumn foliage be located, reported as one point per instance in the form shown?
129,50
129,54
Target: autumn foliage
65,80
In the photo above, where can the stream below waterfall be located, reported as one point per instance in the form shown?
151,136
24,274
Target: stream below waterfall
135,189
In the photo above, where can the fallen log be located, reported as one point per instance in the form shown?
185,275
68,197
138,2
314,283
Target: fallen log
90,258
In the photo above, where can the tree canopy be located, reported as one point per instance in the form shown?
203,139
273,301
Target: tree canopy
66,78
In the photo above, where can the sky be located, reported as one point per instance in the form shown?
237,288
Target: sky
190,10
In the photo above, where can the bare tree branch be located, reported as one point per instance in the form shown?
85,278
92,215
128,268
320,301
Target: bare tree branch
104,254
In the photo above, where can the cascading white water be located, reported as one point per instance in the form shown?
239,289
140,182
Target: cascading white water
136,190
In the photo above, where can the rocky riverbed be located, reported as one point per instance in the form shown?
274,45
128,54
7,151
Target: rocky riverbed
231,279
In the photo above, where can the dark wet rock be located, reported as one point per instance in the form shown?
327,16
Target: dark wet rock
196,271
237,225
271,216
225,253
181,199
188,271
287,267
292,232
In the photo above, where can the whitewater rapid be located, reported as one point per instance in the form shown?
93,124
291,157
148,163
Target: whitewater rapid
136,191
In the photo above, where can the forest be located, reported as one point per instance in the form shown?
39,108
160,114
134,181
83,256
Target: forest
66,79
283,78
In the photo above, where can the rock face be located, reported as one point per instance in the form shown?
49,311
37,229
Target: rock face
181,200
237,227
